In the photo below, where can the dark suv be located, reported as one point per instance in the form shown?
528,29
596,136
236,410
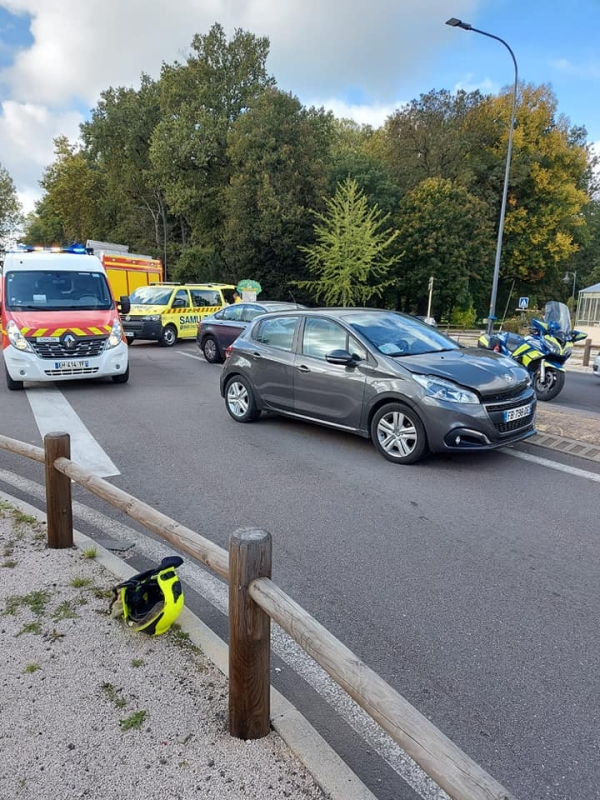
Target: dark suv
379,374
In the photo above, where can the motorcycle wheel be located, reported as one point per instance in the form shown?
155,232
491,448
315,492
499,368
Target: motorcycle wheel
551,387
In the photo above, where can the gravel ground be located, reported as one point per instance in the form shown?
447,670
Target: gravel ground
89,709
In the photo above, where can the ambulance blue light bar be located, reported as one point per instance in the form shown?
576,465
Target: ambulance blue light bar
78,249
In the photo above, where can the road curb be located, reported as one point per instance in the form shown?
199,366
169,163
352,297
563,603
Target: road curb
333,775
573,447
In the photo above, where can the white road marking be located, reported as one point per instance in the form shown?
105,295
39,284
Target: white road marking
545,462
53,412
189,355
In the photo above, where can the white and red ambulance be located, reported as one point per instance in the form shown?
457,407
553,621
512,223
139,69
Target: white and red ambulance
59,320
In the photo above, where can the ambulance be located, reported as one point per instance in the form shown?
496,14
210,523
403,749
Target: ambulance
166,312
58,318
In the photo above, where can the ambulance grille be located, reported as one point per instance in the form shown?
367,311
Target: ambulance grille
84,348
62,372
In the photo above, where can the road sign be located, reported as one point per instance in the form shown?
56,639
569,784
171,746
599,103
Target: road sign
523,303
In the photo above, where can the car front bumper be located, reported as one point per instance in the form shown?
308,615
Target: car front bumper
24,366
138,328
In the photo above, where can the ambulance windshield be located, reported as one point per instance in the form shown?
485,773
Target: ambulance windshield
151,296
57,290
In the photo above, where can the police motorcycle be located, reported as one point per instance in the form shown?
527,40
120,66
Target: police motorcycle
544,351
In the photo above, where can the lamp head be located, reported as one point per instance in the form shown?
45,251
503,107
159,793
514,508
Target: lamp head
458,23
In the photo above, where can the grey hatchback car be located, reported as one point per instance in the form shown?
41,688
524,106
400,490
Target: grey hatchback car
379,374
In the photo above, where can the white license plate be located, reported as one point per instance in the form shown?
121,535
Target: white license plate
64,365
517,413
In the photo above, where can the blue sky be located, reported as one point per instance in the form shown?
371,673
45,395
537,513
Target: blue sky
361,59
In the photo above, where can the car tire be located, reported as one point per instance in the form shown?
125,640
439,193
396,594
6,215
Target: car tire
398,434
14,386
122,378
239,400
168,336
211,351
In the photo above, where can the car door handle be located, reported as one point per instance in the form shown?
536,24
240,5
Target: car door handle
256,356
303,368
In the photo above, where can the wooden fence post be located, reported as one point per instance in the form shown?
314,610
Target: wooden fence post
249,636
587,349
59,510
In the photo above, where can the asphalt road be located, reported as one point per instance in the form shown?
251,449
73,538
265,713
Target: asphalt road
469,583
582,392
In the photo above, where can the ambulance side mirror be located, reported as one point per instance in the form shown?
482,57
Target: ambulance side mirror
124,305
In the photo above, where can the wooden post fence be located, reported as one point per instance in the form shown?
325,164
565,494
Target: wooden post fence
59,510
249,636
587,349
253,601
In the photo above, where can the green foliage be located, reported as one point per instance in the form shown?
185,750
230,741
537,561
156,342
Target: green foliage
278,152
444,232
349,258
463,317
10,207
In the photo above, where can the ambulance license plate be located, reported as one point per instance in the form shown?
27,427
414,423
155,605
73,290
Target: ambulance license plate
69,365
517,413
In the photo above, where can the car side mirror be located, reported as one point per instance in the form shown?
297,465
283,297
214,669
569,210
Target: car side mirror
341,357
178,303
124,305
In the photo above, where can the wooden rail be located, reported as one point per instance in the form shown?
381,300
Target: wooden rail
253,601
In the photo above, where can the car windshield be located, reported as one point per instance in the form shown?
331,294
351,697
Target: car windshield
55,290
151,296
398,335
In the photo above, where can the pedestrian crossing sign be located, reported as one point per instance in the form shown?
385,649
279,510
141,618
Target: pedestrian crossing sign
523,303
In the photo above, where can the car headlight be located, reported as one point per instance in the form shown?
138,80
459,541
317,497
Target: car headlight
115,337
16,338
442,389
151,317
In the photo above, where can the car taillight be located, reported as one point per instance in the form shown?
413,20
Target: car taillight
228,351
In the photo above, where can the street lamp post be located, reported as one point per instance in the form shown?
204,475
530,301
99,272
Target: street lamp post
457,23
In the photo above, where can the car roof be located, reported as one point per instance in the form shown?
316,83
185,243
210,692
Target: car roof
339,311
45,259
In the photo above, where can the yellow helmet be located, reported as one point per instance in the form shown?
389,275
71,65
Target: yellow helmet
150,601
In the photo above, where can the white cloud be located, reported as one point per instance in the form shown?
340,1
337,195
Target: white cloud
27,132
486,86
318,49
374,115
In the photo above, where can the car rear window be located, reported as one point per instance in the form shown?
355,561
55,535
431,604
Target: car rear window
278,332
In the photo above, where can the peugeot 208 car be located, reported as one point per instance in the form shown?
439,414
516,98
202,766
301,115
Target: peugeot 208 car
379,374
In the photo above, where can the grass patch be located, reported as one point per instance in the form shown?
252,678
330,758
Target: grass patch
9,563
36,601
24,519
81,583
103,594
182,639
137,662
31,627
65,611
32,668
114,695
91,552
9,548
133,721
4,506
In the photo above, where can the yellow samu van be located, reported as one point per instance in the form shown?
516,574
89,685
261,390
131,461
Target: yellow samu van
165,312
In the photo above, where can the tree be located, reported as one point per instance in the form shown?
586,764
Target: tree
432,137
547,190
444,232
10,207
43,225
74,193
199,103
117,142
349,258
279,156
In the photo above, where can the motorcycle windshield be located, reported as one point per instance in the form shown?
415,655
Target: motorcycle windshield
558,313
